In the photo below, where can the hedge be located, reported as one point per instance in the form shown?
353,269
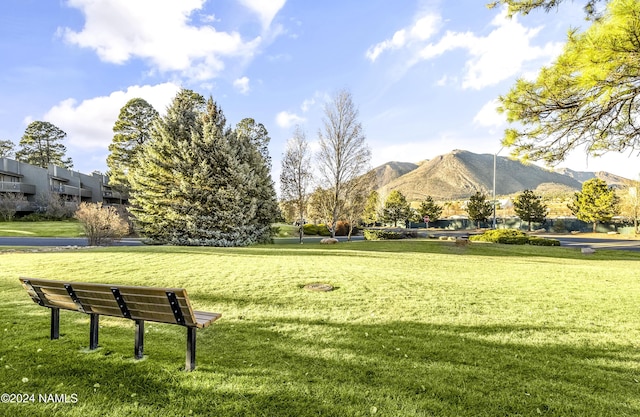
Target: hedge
513,237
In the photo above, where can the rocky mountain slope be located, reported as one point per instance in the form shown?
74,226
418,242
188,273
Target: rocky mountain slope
459,174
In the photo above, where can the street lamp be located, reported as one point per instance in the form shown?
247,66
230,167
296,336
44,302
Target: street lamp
495,156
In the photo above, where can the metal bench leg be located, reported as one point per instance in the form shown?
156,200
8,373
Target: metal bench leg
93,332
139,348
55,323
191,349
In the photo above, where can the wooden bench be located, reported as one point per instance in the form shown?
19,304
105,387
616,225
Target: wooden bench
162,305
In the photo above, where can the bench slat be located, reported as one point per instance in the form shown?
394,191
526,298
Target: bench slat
144,303
70,305
204,319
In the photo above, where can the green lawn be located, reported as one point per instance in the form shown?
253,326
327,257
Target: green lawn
69,228
414,328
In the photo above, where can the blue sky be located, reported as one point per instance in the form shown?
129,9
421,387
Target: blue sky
424,74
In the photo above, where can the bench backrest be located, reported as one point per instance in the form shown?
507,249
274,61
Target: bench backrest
164,305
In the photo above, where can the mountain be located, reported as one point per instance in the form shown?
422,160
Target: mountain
386,173
459,174
582,176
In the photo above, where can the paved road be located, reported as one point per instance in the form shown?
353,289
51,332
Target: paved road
565,240
57,241
577,241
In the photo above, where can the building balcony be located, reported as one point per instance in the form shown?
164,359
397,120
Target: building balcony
17,187
72,191
113,195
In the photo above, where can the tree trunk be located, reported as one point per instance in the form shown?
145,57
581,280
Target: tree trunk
595,225
301,225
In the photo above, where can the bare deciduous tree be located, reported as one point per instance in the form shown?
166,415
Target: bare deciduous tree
320,208
358,192
295,177
344,154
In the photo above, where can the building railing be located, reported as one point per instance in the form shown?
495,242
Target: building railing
17,187
72,191
111,194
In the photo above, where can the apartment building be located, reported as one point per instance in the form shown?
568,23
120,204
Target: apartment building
37,184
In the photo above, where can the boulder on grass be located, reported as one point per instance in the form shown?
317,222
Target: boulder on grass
329,241
588,251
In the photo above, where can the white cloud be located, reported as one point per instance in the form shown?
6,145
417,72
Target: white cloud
306,105
265,9
89,123
160,32
488,116
505,52
423,29
446,80
285,119
242,85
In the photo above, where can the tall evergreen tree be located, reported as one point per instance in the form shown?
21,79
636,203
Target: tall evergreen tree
153,178
7,148
199,182
41,145
529,207
258,136
255,138
596,203
478,208
429,208
396,208
131,131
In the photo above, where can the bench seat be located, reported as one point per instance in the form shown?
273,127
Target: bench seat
162,305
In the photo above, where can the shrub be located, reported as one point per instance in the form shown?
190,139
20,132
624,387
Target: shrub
55,207
102,225
514,240
342,228
371,234
33,217
540,241
513,237
9,204
323,230
310,229
382,235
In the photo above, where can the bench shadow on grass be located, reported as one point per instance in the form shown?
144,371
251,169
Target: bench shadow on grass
314,367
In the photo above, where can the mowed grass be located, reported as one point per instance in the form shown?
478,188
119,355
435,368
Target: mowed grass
68,228
413,328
